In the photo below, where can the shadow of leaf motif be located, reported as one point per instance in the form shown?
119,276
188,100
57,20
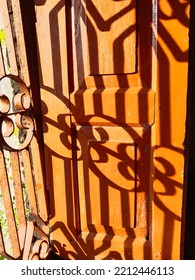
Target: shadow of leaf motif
105,25
168,167
103,134
40,2
64,139
113,255
123,169
97,151
174,13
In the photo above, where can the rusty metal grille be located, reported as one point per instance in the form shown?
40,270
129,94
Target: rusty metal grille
24,232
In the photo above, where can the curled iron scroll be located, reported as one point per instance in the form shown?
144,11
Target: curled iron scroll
16,119
40,250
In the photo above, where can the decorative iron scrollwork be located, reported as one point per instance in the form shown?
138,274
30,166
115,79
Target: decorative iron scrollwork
37,245
16,118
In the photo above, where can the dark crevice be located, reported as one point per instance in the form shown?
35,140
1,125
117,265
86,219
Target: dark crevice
189,224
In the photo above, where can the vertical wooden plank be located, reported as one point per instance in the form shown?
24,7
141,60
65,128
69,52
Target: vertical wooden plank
7,201
18,196
28,178
9,39
169,128
54,82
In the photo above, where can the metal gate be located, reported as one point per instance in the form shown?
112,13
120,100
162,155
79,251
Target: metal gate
23,208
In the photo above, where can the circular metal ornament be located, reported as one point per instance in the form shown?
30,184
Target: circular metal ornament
16,118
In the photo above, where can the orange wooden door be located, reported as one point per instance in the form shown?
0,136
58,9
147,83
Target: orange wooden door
113,85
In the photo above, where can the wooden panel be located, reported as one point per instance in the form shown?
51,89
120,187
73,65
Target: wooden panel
110,190
106,44
111,30
133,106
109,170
